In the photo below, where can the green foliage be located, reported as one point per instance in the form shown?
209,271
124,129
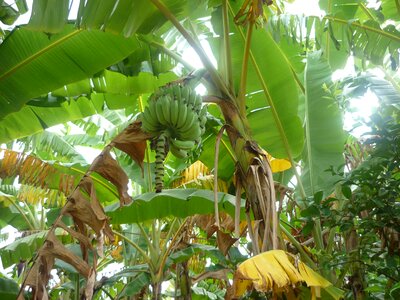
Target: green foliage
22,249
97,72
177,202
8,289
323,128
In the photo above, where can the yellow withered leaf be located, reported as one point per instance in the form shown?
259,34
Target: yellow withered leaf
311,277
278,164
270,270
274,271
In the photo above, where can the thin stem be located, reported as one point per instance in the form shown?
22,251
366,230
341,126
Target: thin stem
31,215
22,213
134,245
366,11
170,247
149,181
365,27
227,47
299,247
238,202
241,99
317,233
77,287
172,54
107,293
148,241
216,154
197,47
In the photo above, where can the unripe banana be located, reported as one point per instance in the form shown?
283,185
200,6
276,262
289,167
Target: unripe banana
197,103
177,92
191,117
152,110
159,110
180,153
185,145
191,100
149,124
192,133
186,91
174,107
166,103
182,115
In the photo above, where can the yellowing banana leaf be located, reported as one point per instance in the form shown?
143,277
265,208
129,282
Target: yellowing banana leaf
274,271
311,277
278,164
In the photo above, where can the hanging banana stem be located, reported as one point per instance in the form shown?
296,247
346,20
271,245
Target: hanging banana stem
160,157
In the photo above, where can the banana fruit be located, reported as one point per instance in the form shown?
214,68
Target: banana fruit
176,117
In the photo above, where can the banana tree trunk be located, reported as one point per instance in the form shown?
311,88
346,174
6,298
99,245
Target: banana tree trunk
255,175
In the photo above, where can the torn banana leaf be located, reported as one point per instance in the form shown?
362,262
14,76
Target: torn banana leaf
275,271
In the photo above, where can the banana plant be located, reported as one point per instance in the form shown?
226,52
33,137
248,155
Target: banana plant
269,94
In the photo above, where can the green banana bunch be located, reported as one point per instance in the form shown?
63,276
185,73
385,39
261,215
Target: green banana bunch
176,117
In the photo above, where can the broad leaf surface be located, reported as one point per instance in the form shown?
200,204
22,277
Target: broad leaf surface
177,202
323,127
32,61
23,248
8,289
276,71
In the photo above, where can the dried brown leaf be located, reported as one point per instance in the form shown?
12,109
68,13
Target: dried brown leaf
55,249
88,186
132,141
108,167
206,223
220,274
90,284
224,241
83,213
83,239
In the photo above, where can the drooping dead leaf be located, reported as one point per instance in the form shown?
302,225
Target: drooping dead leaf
274,271
83,239
55,249
219,274
39,274
90,284
87,185
133,142
207,223
108,167
82,212
224,241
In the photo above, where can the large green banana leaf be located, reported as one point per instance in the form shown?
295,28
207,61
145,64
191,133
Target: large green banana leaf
338,36
324,128
122,17
278,133
32,119
34,63
22,248
107,88
177,202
